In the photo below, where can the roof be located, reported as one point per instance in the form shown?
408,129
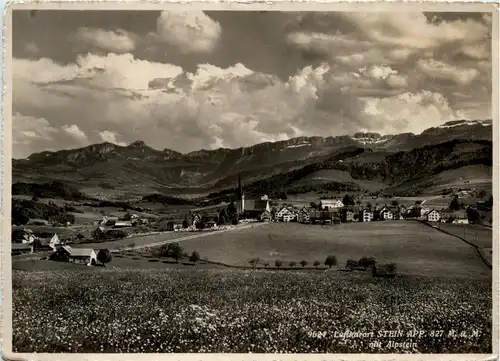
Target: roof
99,229
78,252
330,200
256,205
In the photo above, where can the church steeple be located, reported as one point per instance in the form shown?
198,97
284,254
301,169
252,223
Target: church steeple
240,188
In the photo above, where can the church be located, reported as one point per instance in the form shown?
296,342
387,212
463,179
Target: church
250,208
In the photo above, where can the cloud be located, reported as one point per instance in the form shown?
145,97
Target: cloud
190,32
120,99
443,71
32,134
413,112
76,133
108,136
119,41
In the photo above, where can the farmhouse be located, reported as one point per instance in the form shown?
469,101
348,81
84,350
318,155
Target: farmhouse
349,214
22,235
265,216
254,208
21,248
433,216
122,224
304,216
99,233
386,214
49,244
76,255
331,204
322,216
457,217
366,215
286,214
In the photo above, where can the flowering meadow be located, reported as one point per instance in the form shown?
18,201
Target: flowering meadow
221,310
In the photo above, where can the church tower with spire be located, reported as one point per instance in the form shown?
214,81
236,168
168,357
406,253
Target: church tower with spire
240,196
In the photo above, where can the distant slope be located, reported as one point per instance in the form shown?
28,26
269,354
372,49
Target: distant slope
140,170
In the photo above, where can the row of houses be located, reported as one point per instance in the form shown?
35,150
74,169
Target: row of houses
359,214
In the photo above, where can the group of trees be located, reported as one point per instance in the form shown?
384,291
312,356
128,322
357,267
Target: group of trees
23,210
175,251
330,261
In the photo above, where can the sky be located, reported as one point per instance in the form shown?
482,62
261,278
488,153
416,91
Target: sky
203,80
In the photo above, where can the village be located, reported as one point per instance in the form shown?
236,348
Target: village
326,212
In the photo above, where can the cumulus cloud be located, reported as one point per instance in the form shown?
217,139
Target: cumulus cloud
111,137
75,132
190,32
118,41
32,134
441,70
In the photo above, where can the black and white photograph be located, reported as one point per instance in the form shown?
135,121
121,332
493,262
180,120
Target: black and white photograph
245,181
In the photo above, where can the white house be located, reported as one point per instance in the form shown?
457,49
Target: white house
285,214
54,242
331,204
386,214
433,216
366,215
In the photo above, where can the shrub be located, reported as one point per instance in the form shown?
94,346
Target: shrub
80,236
331,261
104,256
195,257
175,251
316,263
351,264
292,263
254,262
278,263
303,263
366,262
266,264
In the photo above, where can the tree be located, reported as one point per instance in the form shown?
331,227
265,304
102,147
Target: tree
394,203
174,251
454,204
266,264
292,264
331,261
348,200
222,217
104,256
195,257
235,220
278,263
313,205
316,263
350,264
366,262
231,209
473,215
303,263
201,224
80,236
185,222
254,262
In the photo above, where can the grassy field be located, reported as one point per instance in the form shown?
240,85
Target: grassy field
415,247
244,311
478,235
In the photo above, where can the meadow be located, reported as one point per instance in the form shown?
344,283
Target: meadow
223,310
415,248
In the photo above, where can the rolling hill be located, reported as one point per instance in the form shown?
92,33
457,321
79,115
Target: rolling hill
361,161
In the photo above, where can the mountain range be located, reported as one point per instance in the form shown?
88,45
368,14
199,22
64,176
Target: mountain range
362,161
